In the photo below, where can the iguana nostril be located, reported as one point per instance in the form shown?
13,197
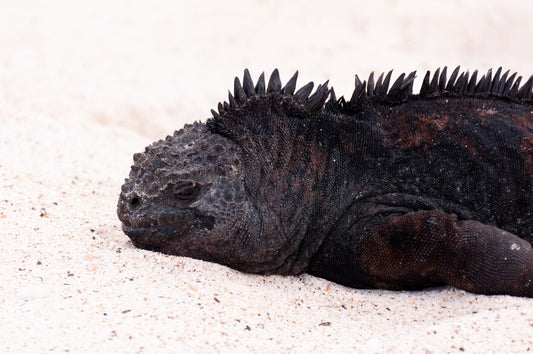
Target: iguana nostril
135,201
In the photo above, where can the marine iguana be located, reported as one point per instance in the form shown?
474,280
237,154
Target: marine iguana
388,189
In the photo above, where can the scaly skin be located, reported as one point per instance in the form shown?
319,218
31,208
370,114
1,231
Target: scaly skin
387,190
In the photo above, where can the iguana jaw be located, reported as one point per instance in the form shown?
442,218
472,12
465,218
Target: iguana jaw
156,232
153,238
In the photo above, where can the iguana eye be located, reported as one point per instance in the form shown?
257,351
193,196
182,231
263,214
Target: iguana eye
186,190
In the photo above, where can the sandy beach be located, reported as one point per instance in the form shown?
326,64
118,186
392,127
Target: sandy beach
83,86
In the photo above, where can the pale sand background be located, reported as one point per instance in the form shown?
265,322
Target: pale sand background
84,86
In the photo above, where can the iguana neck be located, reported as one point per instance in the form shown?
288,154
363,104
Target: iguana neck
300,180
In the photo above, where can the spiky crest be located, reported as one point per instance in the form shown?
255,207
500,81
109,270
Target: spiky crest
459,84
503,86
242,93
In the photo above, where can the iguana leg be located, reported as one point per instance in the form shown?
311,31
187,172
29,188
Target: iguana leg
434,246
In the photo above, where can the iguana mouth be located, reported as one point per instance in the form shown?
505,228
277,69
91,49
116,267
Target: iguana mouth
155,232
143,221
153,238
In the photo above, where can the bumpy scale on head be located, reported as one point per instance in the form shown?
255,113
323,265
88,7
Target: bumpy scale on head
181,189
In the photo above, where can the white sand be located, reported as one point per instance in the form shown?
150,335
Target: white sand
83,87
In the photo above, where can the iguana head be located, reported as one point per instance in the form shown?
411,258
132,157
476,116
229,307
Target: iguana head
241,189
184,195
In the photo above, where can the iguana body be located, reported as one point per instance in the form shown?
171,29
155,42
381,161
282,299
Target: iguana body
389,189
